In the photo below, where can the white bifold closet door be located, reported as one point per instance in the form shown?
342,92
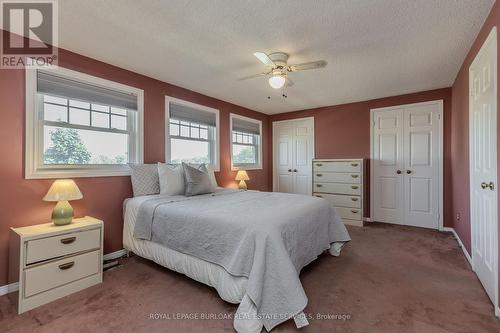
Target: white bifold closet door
405,164
293,154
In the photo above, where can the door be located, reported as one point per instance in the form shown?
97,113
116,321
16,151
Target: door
421,163
483,164
388,166
405,166
293,155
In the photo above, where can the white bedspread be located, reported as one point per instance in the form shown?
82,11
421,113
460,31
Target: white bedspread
266,237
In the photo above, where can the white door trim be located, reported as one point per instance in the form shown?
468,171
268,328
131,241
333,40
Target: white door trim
274,137
492,35
440,152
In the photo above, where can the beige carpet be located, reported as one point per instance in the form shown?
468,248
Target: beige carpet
388,279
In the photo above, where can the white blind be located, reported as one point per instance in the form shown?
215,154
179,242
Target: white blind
49,83
186,113
245,126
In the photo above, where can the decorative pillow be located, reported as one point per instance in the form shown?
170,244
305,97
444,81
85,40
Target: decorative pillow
197,180
144,179
171,179
211,173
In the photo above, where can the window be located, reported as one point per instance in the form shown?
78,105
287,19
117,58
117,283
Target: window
246,142
192,133
80,126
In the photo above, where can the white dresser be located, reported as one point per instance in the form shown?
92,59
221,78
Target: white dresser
54,261
340,181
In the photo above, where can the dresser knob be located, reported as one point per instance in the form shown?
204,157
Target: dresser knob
354,211
319,196
354,187
354,176
67,265
319,185
354,164
319,164
319,174
68,240
354,199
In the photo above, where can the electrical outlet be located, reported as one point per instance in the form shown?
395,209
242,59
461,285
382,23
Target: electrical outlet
458,216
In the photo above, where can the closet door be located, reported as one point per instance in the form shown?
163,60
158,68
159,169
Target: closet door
293,155
283,157
302,157
388,165
406,158
421,174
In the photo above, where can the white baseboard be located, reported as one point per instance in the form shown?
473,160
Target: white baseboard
115,255
367,219
9,288
467,256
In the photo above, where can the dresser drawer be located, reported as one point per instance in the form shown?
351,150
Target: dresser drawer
54,274
337,188
350,166
61,245
352,201
349,213
337,177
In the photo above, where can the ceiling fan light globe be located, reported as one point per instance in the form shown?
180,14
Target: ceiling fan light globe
277,81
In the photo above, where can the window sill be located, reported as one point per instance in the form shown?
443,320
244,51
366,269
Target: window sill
51,173
246,167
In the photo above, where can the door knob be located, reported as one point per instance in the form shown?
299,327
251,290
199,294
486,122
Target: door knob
408,171
491,185
289,170
295,170
484,185
398,172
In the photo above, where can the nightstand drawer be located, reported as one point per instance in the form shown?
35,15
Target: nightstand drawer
51,275
61,245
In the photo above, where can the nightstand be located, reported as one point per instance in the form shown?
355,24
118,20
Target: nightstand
52,261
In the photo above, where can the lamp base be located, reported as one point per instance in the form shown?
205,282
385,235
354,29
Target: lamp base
62,213
243,185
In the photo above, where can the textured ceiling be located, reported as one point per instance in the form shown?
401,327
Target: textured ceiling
373,48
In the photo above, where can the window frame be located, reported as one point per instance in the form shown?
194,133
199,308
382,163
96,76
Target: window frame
245,166
214,147
34,167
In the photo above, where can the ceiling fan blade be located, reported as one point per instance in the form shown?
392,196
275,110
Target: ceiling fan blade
308,65
253,76
289,82
264,58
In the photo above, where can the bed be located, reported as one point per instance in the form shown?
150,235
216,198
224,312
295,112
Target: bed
250,246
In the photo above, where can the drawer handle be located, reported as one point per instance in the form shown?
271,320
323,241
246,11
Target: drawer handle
354,211
68,240
319,164
354,176
318,185
67,265
354,199
319,196
354,164
319,174
354,187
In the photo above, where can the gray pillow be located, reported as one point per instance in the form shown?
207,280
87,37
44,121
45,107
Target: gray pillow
144,179
197,180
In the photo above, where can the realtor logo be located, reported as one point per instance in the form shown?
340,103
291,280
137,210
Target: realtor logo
29,33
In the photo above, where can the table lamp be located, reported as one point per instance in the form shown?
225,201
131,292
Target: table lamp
242,176
62,191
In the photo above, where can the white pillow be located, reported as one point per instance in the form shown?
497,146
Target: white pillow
171,179
211,173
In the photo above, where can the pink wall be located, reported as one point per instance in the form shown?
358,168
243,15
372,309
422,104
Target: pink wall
460,135
21,200
343,131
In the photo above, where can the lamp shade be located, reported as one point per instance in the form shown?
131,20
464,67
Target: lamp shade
277,81
63,190
242,175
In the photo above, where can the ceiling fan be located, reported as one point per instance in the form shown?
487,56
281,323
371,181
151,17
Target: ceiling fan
279,69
